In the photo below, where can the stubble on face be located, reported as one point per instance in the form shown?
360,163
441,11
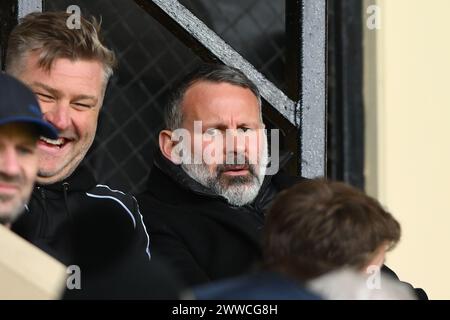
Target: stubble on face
18,168
70,96
228,109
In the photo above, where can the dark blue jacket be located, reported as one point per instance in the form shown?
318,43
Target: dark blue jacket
258,286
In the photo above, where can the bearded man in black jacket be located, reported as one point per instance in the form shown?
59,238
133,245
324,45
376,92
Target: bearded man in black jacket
212,183
205,212
68,70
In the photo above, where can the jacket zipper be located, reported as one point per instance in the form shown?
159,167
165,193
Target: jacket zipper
45,218
65,191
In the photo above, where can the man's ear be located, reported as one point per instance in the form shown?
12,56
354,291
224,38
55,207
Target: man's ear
166,144
378,257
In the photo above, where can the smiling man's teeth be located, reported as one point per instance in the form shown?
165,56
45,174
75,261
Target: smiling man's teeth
57,142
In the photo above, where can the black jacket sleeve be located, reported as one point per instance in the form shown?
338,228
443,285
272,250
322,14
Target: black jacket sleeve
420,293
169,248
142,236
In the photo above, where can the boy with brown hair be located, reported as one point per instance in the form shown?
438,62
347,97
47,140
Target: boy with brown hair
327,235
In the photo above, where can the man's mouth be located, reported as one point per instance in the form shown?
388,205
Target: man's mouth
54,143
236,170
8,188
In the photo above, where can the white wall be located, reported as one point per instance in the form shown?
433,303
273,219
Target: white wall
407,93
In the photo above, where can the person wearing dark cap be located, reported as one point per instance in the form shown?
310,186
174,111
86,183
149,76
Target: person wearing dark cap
21,125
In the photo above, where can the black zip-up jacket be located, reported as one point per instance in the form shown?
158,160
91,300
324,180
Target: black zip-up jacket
198,232
79,208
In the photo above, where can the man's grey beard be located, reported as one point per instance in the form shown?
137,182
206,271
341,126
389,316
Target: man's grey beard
238,190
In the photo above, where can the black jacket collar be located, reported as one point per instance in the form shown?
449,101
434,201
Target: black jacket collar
181,178
81,180
164,167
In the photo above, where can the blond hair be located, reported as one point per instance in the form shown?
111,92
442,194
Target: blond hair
48,34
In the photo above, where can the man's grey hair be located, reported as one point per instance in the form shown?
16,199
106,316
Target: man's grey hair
216,73
47,33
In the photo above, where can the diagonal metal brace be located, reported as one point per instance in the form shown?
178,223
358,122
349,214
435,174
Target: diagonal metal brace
189,29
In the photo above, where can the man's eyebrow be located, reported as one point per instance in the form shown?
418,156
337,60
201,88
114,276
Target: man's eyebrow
214,124
84,97
222,125
45,87
248,124
28,142
55,92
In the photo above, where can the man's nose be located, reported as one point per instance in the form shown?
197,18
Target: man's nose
236,141
59,116
9,161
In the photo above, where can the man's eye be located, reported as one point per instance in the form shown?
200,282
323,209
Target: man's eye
82,105
25,150
244,129
212,132
44,97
